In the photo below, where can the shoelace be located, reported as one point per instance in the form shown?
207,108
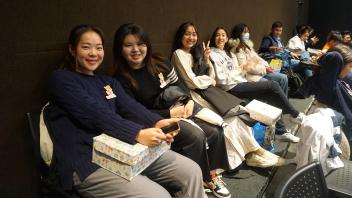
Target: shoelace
218,182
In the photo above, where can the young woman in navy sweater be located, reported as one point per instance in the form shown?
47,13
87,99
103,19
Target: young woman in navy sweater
85,105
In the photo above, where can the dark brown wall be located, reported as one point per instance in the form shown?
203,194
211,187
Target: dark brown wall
325,15
33,36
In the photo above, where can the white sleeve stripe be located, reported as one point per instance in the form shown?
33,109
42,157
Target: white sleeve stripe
172,72
174,79
172,76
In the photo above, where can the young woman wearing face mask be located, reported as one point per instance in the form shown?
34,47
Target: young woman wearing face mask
229,76
149,78
242,47
84,105
197,75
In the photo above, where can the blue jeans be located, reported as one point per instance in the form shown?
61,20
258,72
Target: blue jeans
303,70
279,78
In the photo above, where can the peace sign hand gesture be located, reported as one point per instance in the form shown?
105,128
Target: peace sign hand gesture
206,49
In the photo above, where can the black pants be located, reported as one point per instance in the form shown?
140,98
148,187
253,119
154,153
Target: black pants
268,92
192,143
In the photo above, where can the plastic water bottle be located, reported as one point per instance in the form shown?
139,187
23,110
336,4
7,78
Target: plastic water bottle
259,133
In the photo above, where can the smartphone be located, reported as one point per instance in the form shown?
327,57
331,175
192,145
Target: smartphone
173,129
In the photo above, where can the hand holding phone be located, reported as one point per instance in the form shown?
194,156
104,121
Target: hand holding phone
171,129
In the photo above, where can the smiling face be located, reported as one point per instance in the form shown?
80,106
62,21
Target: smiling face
88,53
304,37
134,51
189,38
221,39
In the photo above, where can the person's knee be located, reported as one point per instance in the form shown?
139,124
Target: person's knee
189,170
188,178
283,82
274,86
308,73
103,183
192,134
213,133
198,136
283,78
156,191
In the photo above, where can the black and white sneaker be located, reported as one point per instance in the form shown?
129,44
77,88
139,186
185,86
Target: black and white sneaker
218,187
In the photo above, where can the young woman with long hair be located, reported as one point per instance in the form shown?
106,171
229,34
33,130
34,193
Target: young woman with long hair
152,81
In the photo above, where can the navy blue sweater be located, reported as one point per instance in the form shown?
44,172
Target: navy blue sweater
80,110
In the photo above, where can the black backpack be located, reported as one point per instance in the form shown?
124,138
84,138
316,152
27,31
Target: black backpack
295,81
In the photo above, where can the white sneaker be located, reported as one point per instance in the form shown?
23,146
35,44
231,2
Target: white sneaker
287,137
299,119
268,155
256,160
271,156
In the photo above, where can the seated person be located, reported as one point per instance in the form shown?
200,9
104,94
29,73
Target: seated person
272,47
145,77
242,47
312,40
334,38
297,43
346,37
329,86
310,43
87,105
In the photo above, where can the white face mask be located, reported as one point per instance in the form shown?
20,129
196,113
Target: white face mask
245,36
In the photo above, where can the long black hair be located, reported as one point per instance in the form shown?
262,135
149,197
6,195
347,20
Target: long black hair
177,44
227,47
154,63
236,34
196,51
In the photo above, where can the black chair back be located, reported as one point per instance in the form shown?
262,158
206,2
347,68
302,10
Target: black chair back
48,188
308,181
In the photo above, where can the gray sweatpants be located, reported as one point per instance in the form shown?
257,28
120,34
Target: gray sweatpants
171,173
